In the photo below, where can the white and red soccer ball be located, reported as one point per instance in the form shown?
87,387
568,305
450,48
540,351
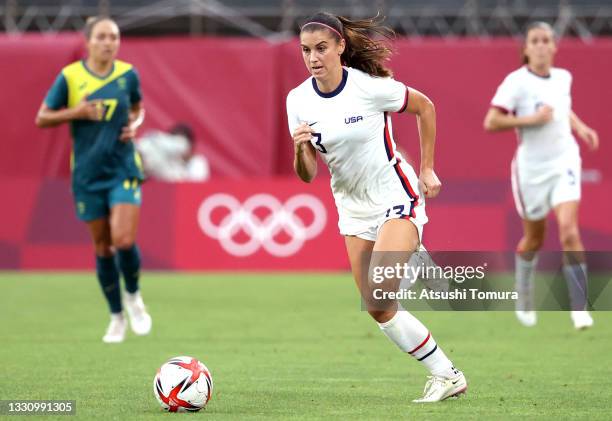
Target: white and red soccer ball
183,384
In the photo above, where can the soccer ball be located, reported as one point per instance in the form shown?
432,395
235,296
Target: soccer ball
183,384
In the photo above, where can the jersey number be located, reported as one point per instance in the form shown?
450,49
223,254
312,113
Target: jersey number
572,177
318,143
399,211
109,108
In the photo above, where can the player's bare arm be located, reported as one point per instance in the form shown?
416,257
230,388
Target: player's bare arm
135,120
584,132
85,110
305,160
425,112
498,120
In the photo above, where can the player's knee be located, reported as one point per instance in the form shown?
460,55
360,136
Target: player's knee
531,243
536,243
381,316
123,241
569,235
103,248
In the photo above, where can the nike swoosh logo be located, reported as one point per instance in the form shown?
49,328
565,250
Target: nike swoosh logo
312,124
455,382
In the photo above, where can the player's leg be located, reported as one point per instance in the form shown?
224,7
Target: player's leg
526,260
565,200
407,332
532,205
397,240
124,226
574,262
432,277
124,217
108,277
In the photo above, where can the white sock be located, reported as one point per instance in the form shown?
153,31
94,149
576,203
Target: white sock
411,336
576,278
524,275
116,316
132,296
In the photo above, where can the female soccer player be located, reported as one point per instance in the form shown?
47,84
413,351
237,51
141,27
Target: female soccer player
100,98
343,112
536,100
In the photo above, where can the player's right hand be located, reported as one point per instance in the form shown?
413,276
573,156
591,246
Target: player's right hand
301,136
90,110
543,115
429,183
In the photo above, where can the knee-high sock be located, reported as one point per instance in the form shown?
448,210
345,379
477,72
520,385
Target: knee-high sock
108,277
412,337
129,263
524,275
576,279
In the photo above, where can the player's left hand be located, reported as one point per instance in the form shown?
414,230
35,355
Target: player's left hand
429,183
590,137
128,132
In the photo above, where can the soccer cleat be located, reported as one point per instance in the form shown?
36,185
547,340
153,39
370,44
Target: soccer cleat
527,318
582,319
115,333
140,320
439,388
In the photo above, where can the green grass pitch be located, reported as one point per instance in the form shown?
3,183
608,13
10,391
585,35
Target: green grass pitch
288,346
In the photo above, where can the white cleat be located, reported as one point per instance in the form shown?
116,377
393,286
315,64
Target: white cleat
439,388
115,333
140,320
527,318
582,319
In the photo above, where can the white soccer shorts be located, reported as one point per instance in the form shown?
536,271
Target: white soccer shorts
398,199
537,192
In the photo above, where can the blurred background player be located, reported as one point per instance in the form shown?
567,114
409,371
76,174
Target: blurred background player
171,156
100,97
546,170
343,113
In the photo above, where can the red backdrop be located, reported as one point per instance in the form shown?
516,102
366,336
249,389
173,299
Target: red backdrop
232,92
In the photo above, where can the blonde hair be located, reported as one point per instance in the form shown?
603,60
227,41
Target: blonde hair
92,21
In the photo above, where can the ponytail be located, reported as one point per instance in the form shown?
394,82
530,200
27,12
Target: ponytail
362,51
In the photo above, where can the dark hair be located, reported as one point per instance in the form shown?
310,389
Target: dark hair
362,51
534,25
183,129
92,21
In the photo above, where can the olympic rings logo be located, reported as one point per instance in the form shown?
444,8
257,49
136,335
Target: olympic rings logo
262,231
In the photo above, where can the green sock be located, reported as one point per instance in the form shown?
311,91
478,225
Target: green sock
129,263
108,276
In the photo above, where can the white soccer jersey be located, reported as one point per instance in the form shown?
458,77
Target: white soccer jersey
522,92
354,138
